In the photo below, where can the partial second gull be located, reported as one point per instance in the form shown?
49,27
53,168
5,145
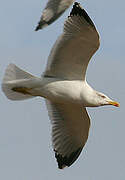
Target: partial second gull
64,86
53,10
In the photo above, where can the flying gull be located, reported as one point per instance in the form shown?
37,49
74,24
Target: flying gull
64,86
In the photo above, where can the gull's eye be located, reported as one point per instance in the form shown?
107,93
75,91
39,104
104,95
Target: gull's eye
103,96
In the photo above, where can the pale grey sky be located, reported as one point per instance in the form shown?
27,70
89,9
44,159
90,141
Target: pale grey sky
25,130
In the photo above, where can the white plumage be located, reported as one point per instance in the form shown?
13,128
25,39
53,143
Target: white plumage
64,86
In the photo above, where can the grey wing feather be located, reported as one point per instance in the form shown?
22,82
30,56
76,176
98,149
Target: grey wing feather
70,127
52,11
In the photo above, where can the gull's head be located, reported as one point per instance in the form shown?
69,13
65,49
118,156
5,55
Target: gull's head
105,100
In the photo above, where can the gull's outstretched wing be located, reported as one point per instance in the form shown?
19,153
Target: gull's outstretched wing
52,11
72,51
70,127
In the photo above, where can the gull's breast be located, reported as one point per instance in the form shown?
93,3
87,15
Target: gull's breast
62,91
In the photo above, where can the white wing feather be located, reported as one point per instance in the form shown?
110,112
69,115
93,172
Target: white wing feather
70,127
73,49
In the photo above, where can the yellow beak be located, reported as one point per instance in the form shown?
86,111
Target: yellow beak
114,103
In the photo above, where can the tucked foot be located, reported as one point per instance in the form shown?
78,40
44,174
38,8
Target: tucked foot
22,90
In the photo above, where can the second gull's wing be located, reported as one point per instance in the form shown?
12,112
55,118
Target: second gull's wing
52,11
72,51
70,128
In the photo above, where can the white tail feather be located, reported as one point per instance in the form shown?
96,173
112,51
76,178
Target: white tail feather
16,77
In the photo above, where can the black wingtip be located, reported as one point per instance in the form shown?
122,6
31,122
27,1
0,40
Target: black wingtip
67,161
78,10
41,25
38,27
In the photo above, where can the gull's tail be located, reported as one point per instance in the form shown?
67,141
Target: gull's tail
18,84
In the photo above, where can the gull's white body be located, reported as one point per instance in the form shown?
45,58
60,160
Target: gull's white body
63,91
64,86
